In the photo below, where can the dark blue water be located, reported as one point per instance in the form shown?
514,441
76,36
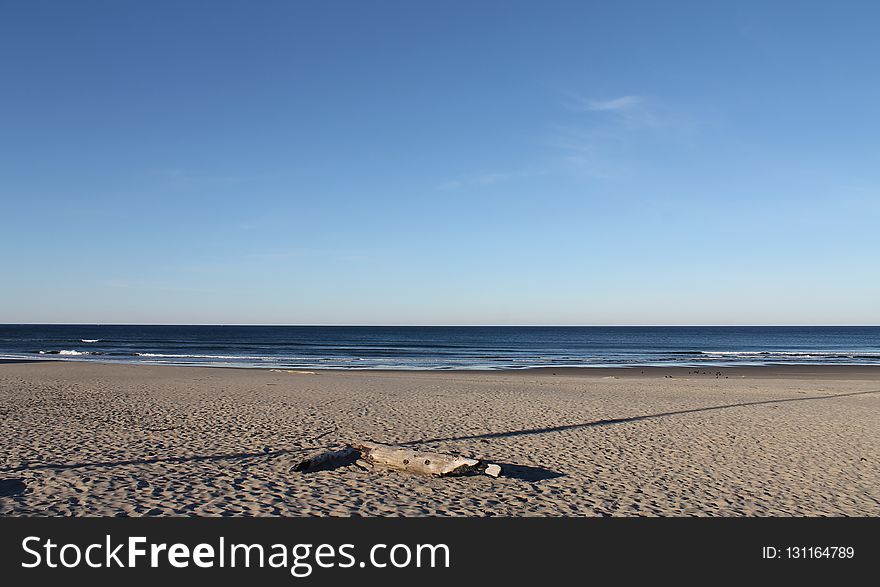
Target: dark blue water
440,347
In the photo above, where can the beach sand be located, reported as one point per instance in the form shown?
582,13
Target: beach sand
95,439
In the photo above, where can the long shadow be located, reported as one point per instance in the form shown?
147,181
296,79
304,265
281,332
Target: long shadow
517,471
189,459
612,421
10,487
331,465
527,473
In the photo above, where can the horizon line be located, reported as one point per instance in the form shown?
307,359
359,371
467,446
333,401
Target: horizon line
338,325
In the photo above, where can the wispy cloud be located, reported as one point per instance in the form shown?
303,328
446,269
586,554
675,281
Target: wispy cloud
614,104
592,153
602,138
595,144
578,102
607,136
483,180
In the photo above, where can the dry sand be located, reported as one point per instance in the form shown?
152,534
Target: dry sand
90,439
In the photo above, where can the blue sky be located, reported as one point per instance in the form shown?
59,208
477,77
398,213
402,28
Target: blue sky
440,162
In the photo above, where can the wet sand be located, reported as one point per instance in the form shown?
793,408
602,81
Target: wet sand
95,439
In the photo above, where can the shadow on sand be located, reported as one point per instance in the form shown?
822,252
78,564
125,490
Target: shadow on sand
612,421
527,473
521,472
153,461
10,487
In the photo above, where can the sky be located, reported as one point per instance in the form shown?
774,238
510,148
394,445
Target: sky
294,162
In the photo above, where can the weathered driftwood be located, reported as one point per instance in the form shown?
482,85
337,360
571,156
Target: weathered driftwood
326,457
422,462
373,454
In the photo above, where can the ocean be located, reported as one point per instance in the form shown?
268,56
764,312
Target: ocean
443,347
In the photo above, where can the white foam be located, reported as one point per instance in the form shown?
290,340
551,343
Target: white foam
90,340
173,356
804,354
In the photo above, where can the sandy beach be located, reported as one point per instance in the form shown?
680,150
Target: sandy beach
108,440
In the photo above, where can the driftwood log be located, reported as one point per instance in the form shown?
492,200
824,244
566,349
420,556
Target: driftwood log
421,462
373,454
